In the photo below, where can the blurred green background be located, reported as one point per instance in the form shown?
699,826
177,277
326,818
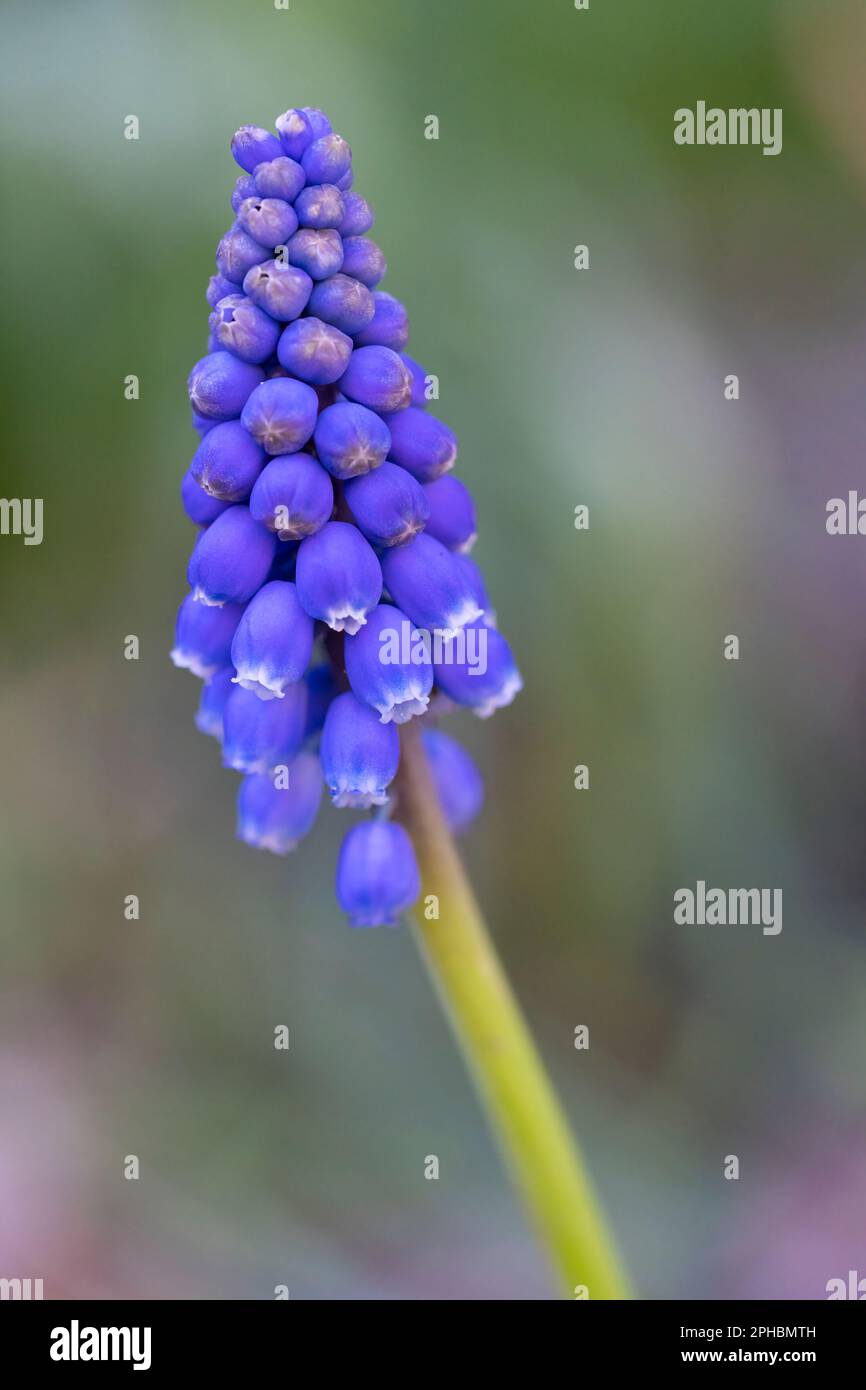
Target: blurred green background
707,517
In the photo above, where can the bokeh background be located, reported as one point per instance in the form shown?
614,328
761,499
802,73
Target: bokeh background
707,518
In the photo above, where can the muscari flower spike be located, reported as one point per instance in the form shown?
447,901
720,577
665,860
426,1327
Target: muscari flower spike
323,500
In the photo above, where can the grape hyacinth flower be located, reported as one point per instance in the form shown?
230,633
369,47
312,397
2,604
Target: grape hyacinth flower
331,598
317,484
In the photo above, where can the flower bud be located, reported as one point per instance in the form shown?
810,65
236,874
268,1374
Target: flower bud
377,874
351,439
245,187
426,583
320,205
389,326
220,384
459,785
251,145
319,123
203,636
281,415
259,735
452,513
377,378
482,690
227,462
279,178
357,215
475,582
212,701
276,817
273,641
231,559
388,665
319,253
327,159
419,380
363,259
421,443
388,504
237,253
293,496
359,753
242,328
338,577
217,288
314,351
342,301
198,505
269,221
296,132
281,290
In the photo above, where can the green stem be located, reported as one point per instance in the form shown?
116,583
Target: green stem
523,1110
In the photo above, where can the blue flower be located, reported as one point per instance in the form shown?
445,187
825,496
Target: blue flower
314,351
377,874
293,496
260,735
273,643
451,519
231,559
237,253
320,205
296,132
388,665
482,686
339,578
426,583
319,486
251,145
318,252
281,415
220,385
350,439
203,636
389,326
269,221
281,290
279,178
227,462
357,215
459,785
388,504
240,326
213,700
421,443
344,302
378,378
359,753
198,505
276,813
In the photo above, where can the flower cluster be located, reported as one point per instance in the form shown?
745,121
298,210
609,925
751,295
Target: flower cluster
332,596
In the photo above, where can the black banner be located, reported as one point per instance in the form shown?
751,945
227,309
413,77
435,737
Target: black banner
160,1338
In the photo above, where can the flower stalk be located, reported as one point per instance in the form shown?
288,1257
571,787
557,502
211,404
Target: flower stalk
524,1113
